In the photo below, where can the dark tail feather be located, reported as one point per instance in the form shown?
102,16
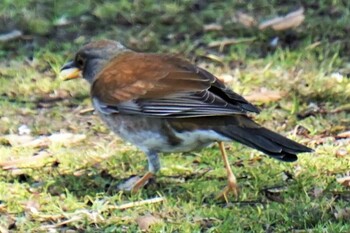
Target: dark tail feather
266,141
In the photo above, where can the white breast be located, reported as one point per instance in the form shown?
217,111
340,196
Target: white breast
192,140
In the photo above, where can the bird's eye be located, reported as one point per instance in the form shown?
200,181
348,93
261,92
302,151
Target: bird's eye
80,61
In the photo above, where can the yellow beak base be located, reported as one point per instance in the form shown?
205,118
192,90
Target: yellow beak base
70,73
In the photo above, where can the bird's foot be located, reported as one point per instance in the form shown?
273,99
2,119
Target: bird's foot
135,183
232,187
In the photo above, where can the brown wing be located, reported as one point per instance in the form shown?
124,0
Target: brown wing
161,85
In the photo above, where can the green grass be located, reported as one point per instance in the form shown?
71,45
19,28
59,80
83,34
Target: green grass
71,188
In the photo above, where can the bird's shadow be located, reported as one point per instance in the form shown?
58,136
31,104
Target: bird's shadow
96,182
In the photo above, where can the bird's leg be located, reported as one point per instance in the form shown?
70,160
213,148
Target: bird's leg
231,179
153,168
141,182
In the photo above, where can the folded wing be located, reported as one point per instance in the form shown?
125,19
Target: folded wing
163,86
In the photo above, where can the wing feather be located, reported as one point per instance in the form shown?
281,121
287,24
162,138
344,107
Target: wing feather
163,86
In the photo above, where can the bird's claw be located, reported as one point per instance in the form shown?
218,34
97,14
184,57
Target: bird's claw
230,188
135,183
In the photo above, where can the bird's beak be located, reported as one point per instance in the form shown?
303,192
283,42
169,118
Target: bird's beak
70,71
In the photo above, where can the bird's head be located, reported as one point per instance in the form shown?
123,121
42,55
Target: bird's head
90,60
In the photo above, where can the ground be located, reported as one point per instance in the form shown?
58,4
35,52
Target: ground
60,165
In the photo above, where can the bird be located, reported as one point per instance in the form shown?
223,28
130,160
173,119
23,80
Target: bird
162,103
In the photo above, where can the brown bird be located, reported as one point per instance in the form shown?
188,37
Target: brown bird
162,103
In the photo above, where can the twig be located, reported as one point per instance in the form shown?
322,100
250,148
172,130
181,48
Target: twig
86,110
222,43
77,216
137,203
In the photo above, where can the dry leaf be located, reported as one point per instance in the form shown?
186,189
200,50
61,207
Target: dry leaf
344,134
341,152
291,20
66,138
245,19
32,206
344,181
264,96
145,222
79,172
16,140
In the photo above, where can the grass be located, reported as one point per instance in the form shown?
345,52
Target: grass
70,187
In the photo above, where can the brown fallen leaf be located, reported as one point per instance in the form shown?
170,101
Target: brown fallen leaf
145,222
341,152
291,20
344,181
265,96
345,134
